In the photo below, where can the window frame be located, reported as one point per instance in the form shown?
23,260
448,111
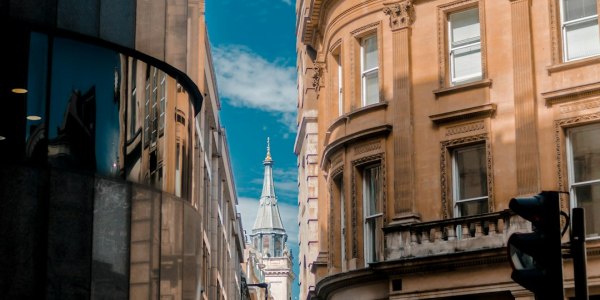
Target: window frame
444,10
564,24
339,184
454,81
340,84
572,185
365,73
370,219
456,178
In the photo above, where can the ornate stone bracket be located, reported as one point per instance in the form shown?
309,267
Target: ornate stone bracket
317,74
401,14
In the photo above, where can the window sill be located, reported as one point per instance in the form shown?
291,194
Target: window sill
463,87
573,64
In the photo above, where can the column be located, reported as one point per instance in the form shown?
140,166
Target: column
401,17
526,140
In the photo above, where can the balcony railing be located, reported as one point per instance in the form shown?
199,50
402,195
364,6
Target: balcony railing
452,235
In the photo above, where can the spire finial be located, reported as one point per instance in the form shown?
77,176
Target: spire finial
268,158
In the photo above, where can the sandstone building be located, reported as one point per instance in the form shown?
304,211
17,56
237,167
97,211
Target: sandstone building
419,120
115,175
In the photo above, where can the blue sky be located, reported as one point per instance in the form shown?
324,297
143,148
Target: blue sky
253,45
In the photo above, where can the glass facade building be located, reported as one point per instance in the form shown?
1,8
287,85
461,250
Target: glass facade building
114,184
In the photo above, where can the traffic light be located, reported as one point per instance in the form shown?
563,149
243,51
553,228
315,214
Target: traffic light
536,257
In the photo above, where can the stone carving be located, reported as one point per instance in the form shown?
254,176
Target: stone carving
580,106
367,147
465,128
401,14
317,74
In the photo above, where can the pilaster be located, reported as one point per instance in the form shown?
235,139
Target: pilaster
401,16
526,140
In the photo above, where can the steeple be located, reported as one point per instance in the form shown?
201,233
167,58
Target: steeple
268,233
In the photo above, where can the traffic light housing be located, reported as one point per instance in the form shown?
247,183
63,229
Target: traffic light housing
536,257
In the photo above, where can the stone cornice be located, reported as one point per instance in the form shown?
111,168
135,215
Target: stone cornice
572,93
482,110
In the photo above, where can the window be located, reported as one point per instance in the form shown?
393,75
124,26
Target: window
583,146
155,112
372,194
579,26
464,46
163,101
147,109
369,69
133,100
177,170
470,181
339,183
340,85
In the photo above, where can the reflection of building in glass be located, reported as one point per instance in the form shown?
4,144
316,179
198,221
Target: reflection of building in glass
420,120
115,174
268,237
74,144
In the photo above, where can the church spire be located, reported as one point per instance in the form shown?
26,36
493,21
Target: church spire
268,220
268,158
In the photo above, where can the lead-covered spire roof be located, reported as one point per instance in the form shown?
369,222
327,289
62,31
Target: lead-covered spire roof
268,217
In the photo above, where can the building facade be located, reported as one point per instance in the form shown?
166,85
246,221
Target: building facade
267,242
115,175
419,121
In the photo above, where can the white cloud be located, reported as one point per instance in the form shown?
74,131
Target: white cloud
248,207
249,80
288,2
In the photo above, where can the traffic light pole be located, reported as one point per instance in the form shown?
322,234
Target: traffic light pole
578,252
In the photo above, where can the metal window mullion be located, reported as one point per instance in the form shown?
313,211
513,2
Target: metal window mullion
372,217
580,20
465,46
453,77
584,183
471,199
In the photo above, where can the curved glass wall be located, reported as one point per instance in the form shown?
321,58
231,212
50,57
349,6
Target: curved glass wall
79,106
79,122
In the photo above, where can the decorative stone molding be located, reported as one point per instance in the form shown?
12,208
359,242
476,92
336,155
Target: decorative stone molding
337,163
354,198
465,128
401,14
317,74
555,35
568,108
335,46
446,170
486,110
572,93
373,146
560,146
365,29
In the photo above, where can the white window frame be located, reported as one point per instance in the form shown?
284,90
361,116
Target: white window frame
563,29
571,169
451,50
365,73
342,221
456,178
340,86
370,220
